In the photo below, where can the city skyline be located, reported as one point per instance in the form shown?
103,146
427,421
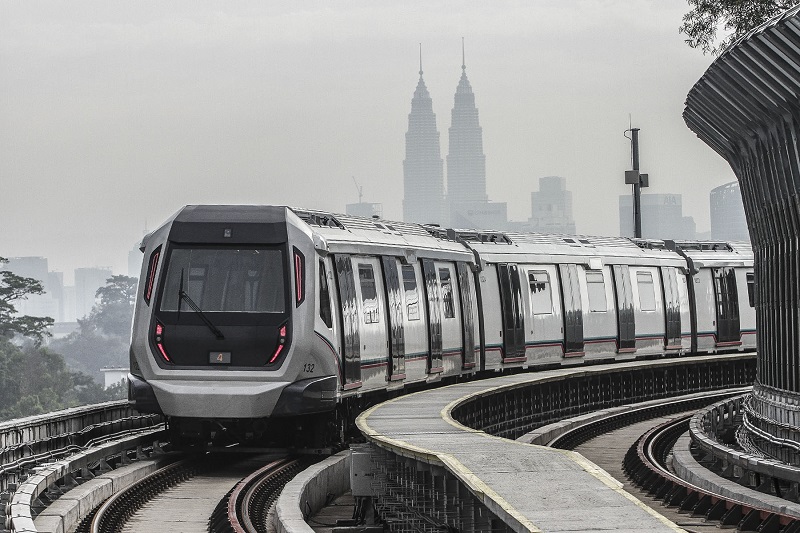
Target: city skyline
115,116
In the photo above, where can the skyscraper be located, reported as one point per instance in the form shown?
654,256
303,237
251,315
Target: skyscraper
423,173
662,217
87,281
728,222
466,163
468,204
551,207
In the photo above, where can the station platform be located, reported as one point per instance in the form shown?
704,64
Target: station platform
529,487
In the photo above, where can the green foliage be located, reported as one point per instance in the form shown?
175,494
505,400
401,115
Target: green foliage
114,313
13,288
738,17
34,380
104,336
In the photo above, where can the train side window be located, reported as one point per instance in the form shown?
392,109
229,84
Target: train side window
369,294
412,294
647,291
597,292
541,296
751,288
447,293
324,296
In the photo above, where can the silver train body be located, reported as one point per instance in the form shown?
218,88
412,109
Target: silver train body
264,312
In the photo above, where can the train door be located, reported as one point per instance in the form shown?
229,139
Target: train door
747,312
573,310
351,341
626,323
546,330
672,307
374,337
600,317
433,305
511,311
394,315
727,307
452,328
416,323
466,290
705,319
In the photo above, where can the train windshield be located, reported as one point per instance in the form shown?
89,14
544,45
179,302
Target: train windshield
226,280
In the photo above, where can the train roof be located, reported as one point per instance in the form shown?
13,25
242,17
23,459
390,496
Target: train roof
348,233
337,232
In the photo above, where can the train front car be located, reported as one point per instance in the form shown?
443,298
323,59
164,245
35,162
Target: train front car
223,329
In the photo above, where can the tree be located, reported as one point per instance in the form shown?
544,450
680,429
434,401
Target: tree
738,17
34,380
104,336
14,288
114,313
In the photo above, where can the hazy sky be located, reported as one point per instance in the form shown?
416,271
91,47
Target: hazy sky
113,115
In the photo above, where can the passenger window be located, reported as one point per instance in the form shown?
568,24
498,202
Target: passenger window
541,297
647,292
369,295
751,288
447,293
597,292
324,296
410,288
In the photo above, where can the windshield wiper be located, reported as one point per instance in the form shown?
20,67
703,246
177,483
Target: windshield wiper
196,308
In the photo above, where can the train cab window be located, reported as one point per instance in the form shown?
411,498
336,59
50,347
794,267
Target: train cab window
541,296
647,291
324,296
410,289
751,288
369,294
226,280
447,293
597,292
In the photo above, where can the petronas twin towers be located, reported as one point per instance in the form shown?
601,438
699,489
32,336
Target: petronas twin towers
466,204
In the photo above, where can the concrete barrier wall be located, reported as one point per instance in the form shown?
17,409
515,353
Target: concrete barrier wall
308,492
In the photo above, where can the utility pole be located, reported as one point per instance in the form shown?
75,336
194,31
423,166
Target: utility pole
638,181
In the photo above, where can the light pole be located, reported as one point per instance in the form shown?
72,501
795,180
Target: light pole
638,181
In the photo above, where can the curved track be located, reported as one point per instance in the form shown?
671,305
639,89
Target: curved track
646,464
183,495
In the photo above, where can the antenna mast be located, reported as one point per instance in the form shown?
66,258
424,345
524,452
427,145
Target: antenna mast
359,188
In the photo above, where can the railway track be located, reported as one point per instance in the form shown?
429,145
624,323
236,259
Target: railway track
646,464
184,493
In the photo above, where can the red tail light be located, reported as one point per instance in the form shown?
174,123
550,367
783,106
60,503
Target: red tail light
281,343
159,338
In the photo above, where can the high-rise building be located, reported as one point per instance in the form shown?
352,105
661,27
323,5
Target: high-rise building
87,281
365,209
423,176
662,217
466,162
467,201
551,207
728,222
40,305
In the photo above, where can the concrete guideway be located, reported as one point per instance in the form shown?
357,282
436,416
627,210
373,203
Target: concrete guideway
527,487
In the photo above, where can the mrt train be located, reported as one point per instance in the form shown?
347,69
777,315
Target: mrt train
277,323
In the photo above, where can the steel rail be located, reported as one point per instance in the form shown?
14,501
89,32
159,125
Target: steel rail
576,436
645,465
244,508
115,511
